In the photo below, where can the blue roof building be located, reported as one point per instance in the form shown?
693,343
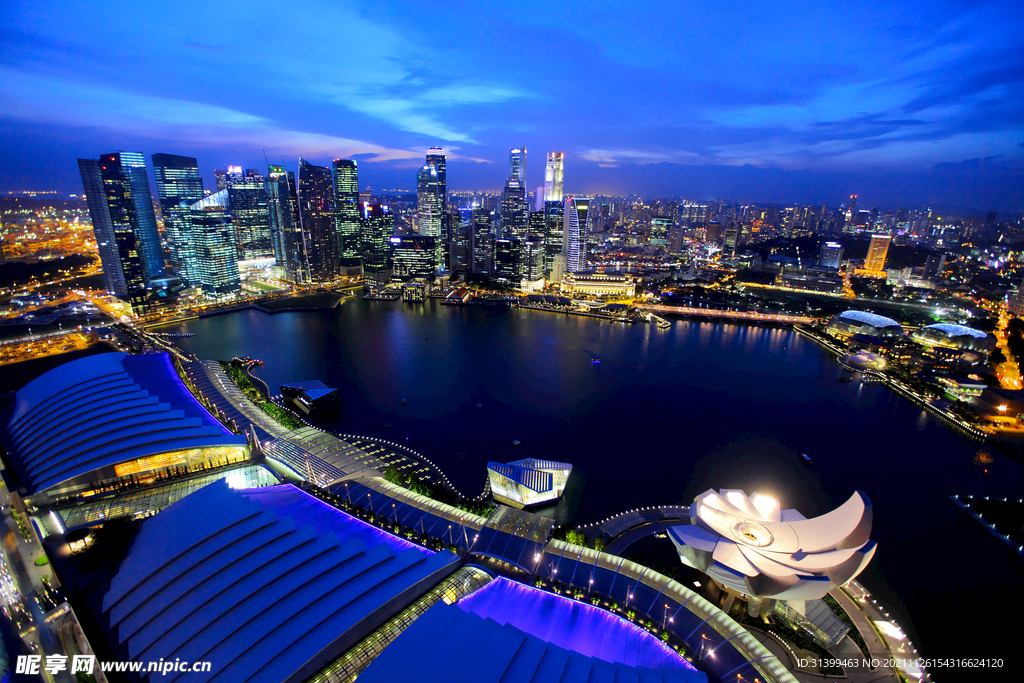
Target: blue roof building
108,416
267,585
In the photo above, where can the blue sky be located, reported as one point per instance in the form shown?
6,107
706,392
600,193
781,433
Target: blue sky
902,103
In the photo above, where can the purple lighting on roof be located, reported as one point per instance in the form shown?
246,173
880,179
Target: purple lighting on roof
585,629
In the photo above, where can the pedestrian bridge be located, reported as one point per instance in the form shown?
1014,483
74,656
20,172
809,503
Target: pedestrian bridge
624,529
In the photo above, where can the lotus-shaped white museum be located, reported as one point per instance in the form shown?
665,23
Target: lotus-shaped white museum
749,545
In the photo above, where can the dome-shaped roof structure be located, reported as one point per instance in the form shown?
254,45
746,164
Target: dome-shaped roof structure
849,323
952,336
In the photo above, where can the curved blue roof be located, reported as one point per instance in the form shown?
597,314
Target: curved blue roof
952,330
239,579
451,640
103,410
873,319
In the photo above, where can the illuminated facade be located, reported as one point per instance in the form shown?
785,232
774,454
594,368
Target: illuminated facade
289,249
831,255
553,233
316,218
527,482
412,257
250,217
877,252
431,201
749,545
574,233
121,207
598,284
554,174
506,260
482,239
517,164
378,229
214,252
179,186
346,211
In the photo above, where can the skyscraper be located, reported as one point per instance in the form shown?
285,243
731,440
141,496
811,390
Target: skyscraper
412,257
179,186
347,218
214,253
378,229
124,223
553,176
482,243
574,234
506,260
553,232
531,258
514,211
877,251
250,216
106,240
517,165
316,218
831,255
285,230
431,200
131,167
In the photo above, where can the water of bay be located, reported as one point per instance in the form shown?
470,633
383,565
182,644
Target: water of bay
666,415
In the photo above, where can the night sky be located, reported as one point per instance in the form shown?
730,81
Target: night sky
900,102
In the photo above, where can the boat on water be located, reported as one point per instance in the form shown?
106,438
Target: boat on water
845,379
595,361
479,405
515,442
403,401
807,458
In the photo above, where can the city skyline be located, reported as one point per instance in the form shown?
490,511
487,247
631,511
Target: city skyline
902,110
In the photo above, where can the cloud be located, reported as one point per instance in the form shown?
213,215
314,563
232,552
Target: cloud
39,99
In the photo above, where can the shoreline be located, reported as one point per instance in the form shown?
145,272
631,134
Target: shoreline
899,388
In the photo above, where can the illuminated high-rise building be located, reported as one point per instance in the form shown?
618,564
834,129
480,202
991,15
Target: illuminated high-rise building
250,216
482,242
517,165
506,260
378,229
574,233
831,255
554,213
514,211
877,252
121,207
554,173
214,253
531,258
286,232
139,206
431,202
347,218
179,186
103,228
316,218
412,257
